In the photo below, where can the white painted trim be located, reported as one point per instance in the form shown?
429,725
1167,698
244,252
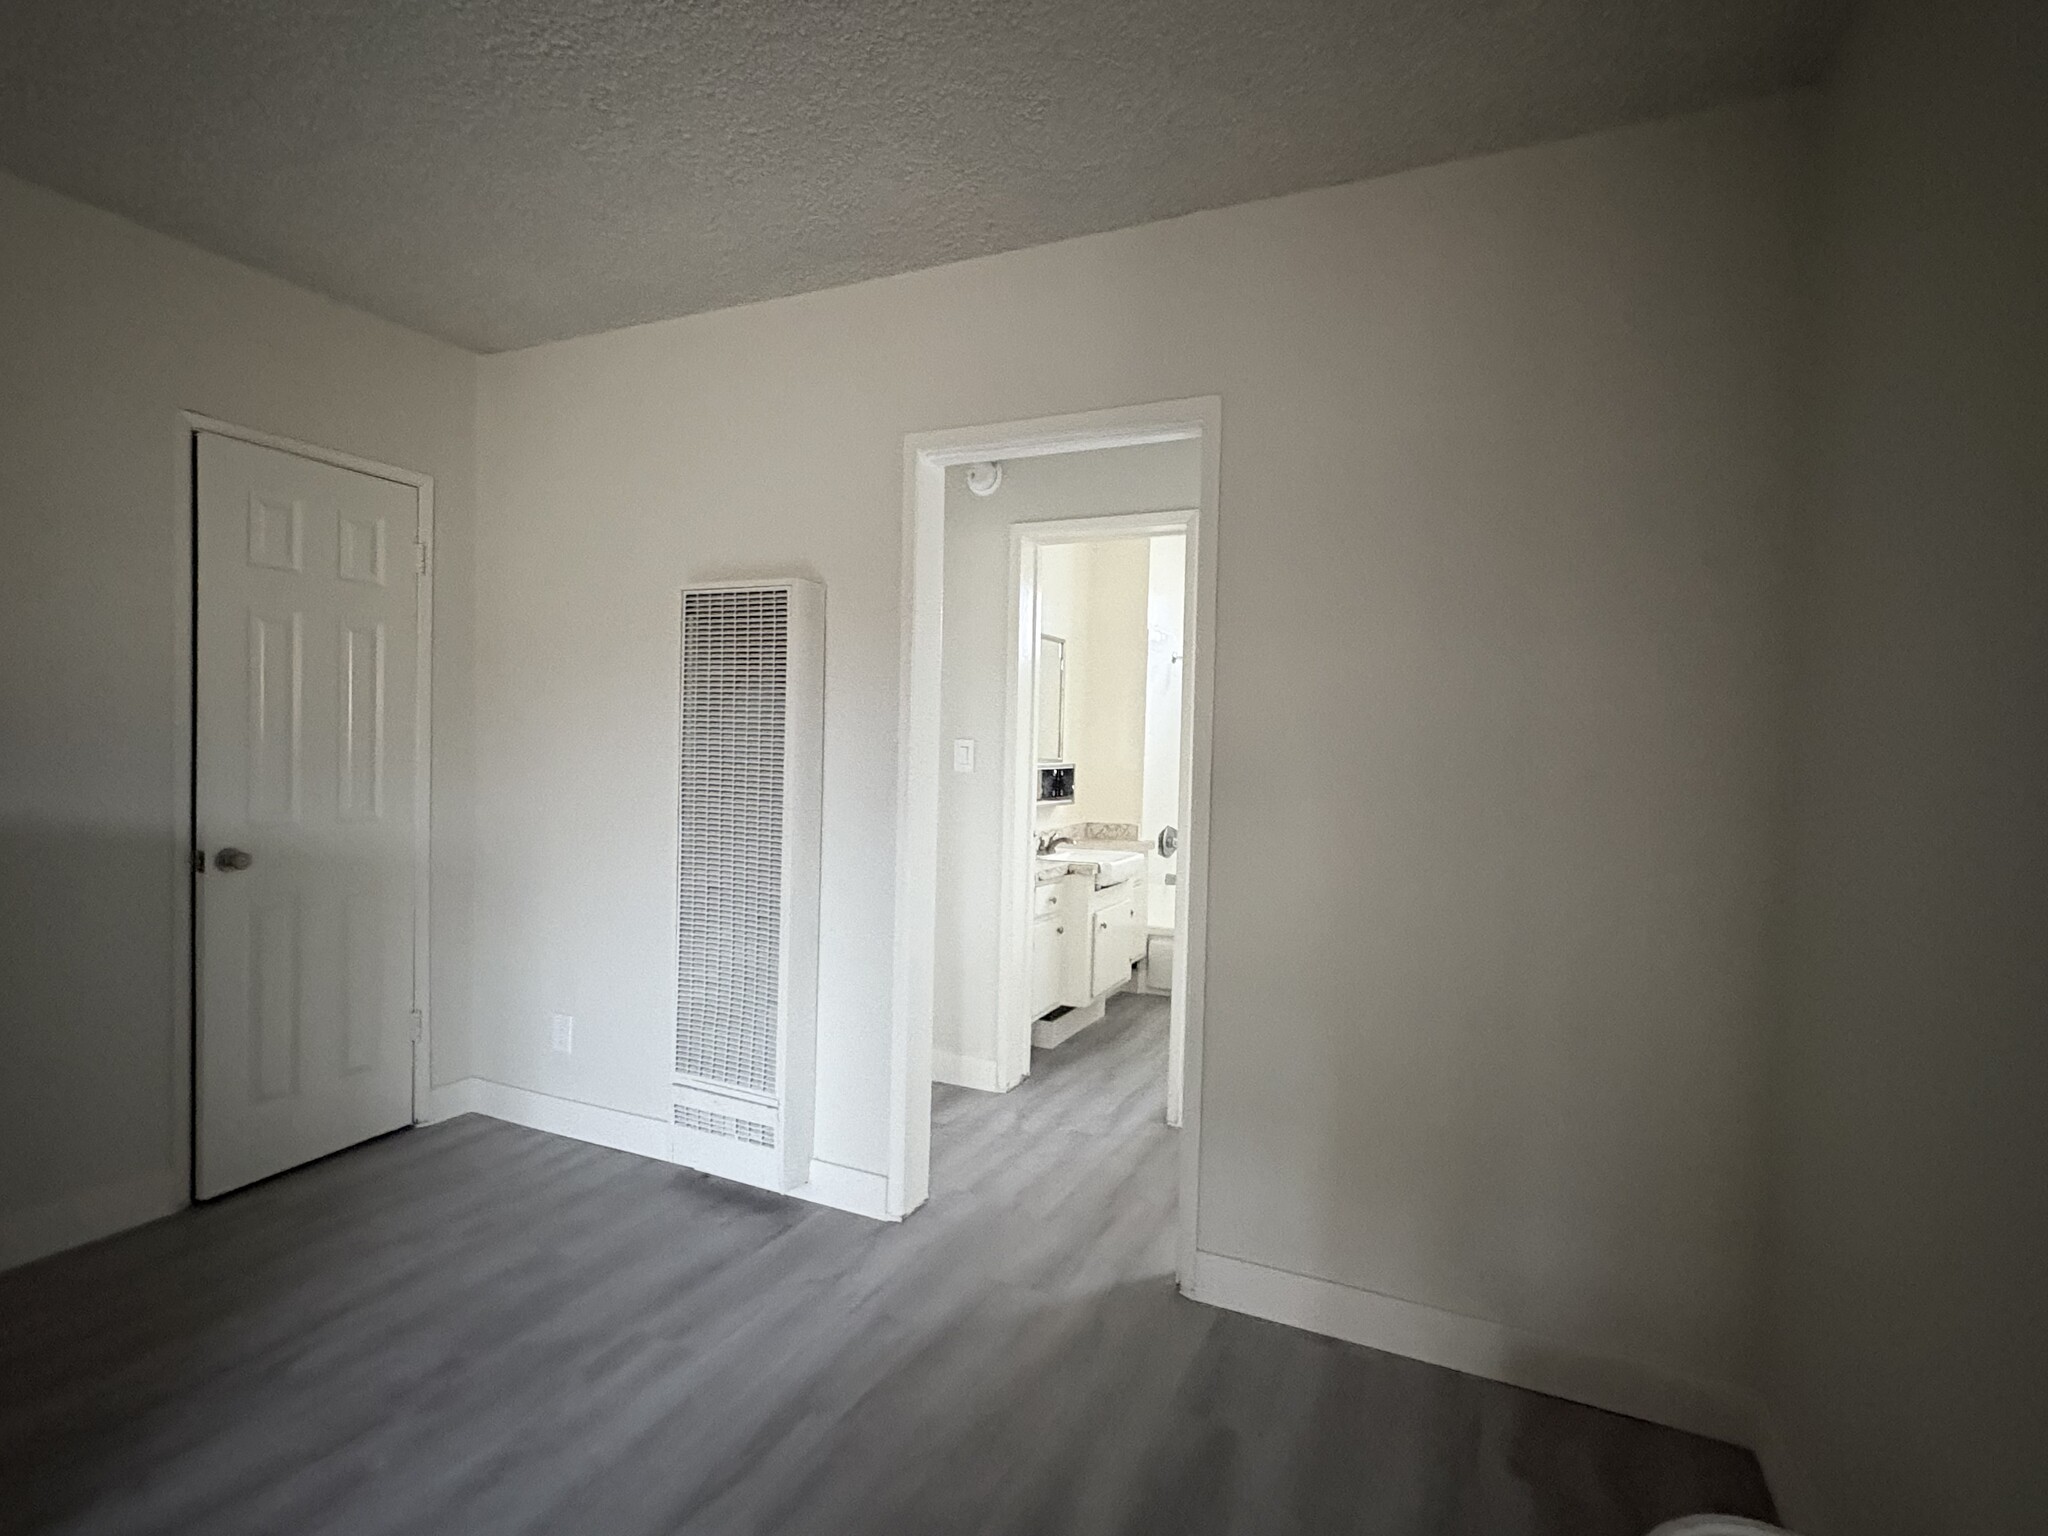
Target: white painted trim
925,457
965,1071
1055,1030
464,1096
1105,529
845,1189
1127,426
423,809
1191,904
1020,754
87,1215
184,954
195,422
642,1135
185,957
912,975
1476,1347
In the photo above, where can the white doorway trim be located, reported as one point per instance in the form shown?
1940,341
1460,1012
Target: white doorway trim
184,683
1013,1026
926,456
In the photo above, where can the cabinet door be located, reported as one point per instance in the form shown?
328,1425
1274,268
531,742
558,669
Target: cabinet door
1047,938
1108,964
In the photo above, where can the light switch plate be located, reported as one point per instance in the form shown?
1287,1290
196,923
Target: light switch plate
963,755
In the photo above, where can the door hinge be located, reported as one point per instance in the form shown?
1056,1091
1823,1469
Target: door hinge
198,861
419,1026
419,552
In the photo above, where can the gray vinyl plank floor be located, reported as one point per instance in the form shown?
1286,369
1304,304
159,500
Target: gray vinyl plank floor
473,1327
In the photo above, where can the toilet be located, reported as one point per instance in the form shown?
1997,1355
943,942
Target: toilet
1717,1525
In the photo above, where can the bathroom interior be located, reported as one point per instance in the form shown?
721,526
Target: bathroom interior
1106,687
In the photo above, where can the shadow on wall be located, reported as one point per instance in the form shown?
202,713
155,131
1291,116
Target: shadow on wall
86,951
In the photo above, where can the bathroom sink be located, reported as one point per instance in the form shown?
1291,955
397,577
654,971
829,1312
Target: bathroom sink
1112,866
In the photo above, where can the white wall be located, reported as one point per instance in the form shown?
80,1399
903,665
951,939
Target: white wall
966,697
1109,707
966,667
1500,558
109,332
1910,1380
1158,477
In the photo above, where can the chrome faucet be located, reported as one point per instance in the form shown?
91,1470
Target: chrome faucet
1051,841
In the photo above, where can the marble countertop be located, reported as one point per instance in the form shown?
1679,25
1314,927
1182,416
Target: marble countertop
1079,862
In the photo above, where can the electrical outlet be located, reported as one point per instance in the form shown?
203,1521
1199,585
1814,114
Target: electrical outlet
565,1033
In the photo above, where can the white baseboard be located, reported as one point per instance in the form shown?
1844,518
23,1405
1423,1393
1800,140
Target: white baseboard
1050,1034
87,1216
964,1071
845,1189
1474,1346
615,1128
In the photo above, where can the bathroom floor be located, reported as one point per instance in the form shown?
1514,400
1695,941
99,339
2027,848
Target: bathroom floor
474,1327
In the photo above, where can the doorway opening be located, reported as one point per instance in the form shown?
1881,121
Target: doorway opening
1089,859
1027,661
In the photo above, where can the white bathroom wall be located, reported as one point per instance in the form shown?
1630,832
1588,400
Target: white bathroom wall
1162,477
1109,717
1500,565
1062,579
1909,1379
107,333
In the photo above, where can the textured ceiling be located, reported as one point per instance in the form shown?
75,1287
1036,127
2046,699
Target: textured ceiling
503,172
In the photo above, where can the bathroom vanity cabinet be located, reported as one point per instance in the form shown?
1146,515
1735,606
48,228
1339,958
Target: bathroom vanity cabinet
1051,917
1084,941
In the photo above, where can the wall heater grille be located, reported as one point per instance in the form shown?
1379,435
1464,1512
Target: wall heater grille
751,706
728,956
736,1127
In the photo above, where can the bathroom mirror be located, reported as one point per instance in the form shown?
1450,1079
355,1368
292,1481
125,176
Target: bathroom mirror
1052,699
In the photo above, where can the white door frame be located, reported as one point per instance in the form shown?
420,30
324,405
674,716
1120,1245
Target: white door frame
926,456
1020,714
184,696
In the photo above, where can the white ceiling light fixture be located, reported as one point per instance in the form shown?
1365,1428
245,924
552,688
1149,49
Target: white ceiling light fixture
982,479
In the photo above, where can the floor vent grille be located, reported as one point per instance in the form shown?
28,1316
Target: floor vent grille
711,1123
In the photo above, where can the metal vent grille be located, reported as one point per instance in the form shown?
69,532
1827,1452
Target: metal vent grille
753,1132
735,688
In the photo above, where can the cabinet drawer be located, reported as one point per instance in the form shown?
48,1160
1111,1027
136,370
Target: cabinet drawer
1045,898
1105,898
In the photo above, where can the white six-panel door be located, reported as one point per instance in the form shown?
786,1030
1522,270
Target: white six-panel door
306,667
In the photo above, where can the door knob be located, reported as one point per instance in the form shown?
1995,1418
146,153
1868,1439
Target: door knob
232,858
